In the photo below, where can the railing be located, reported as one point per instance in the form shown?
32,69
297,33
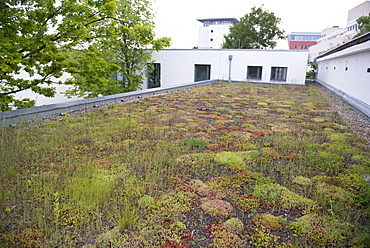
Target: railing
23,115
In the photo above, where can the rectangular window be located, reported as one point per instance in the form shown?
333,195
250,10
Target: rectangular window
202,72
154,75
279,73
254,72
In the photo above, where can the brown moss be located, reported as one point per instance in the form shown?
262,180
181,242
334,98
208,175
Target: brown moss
217,208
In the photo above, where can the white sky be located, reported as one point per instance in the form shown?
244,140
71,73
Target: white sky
177,18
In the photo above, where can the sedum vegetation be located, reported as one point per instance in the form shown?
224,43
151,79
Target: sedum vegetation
291,172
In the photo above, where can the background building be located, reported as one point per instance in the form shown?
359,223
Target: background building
302,40
211,34
334,37
183,66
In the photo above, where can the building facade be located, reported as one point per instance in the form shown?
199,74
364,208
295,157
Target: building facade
347,70
302,40
182,66
334,37
211,34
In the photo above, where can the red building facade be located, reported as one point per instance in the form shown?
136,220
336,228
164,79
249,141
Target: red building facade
301,45
302,40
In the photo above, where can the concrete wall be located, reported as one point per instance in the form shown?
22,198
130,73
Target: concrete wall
360,10
212,36
178,66
348,71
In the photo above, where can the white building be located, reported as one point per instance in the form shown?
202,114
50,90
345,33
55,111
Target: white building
346,70
211,34
174,67
334,37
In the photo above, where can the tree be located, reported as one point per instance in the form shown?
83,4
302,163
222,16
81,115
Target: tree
363,25
313,66
256,30
42,39
130,50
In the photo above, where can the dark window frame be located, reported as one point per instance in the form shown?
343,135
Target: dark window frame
202,72
154,76
279,73
257,73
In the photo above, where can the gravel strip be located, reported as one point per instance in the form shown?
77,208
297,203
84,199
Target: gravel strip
357,122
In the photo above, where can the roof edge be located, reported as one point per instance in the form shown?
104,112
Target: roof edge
362,39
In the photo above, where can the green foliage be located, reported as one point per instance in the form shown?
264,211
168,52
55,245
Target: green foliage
256,30
281,197
196,143
313,66
247,203
323,230
223,238
91,40
234,225
268,221
363,25
262,237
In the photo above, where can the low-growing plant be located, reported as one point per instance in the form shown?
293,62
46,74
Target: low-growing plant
279,196
223,238
262,237
196,143
268,221
137,175
323,230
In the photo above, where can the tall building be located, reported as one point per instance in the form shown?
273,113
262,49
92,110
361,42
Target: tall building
211,34
302,40
334,37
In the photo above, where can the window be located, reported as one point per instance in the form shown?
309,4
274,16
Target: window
254,72
211,31
154,75
211,39
202,72
278,73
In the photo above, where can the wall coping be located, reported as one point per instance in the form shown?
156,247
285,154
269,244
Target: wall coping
23,115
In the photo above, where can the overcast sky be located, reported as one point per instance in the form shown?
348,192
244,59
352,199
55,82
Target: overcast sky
178,18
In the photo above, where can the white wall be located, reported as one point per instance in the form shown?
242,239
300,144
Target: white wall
354,81
214,32
177,66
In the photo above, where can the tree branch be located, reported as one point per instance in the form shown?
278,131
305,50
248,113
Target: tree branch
33,52
104,18
15,91
51,16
